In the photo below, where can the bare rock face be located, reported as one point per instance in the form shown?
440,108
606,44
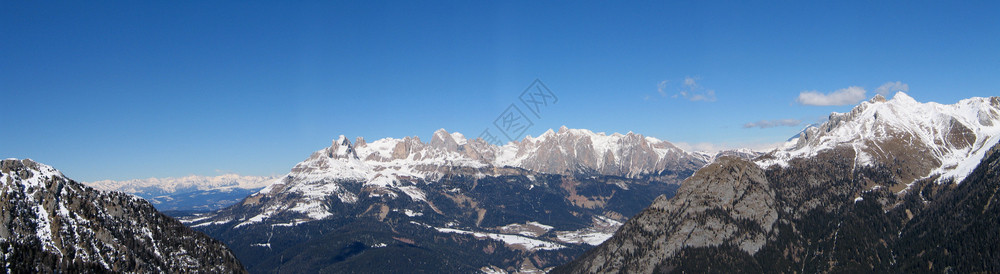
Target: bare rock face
402,149
479,150
342,149
727,202
360,142
443,140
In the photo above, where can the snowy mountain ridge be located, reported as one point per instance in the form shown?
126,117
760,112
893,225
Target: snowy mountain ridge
384,165
889,132
550,196
169,185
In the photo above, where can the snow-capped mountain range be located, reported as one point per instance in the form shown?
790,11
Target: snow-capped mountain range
190,193
163,186
567,151
902,132
550,196
894,133
391,165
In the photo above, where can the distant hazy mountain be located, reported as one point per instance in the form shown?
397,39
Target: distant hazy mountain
190,193
51,224
450,204
892,186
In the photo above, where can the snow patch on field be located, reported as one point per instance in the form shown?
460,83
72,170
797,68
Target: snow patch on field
516,241
601,230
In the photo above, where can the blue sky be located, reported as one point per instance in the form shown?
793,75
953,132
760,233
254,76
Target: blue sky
121,90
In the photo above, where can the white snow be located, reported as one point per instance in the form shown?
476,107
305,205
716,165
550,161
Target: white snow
510,240
593,238
601,230
255,219
220,222
415,193
293,223
412,213
192,182
529,229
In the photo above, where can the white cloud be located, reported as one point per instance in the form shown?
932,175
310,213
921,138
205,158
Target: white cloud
773,123
687,89
690,82
708,96
847,96
892,87
695,92
662,88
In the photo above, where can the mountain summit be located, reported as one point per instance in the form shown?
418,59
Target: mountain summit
918,139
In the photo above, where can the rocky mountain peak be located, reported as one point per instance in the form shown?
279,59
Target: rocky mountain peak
877,99
53,224
360,142
342,148
444,140
901,98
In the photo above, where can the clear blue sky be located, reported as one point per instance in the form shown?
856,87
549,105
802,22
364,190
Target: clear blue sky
132,89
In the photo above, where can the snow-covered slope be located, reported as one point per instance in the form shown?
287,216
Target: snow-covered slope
919,139
50,223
